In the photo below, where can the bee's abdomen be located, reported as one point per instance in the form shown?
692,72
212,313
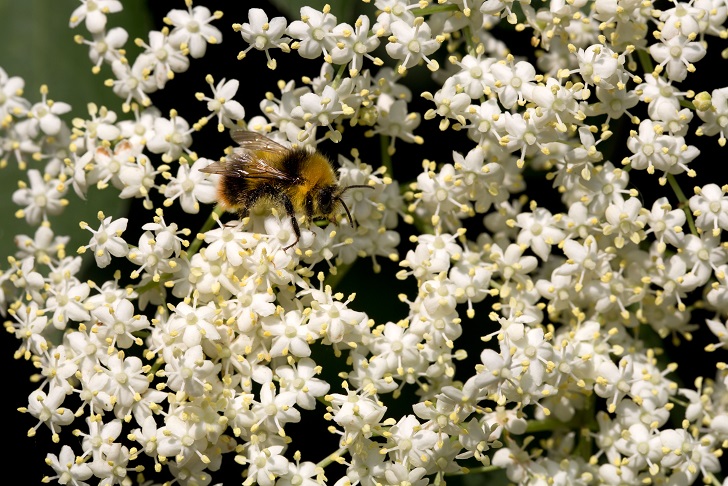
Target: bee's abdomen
233,193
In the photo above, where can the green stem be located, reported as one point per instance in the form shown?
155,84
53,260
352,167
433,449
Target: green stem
205,227
683,203
151,284
469,40
331,458
645,60
339,74
431,9
713,480
476,470
687,104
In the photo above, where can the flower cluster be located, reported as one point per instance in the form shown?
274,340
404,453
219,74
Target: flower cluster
217,339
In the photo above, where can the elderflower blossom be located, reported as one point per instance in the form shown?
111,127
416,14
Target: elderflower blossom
544,233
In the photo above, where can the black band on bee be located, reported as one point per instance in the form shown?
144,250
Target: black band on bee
295,162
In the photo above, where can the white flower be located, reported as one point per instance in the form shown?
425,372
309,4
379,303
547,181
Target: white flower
192,28
412,43
440,197
67,469
396,122
152,259
116,324
190,372
43,198
677,53
48,409
29,328
12,102
66,301
720,330
539,230
127,380
514,459
190,187
332,319
396,348
222,103
101,126
132,82
137,178
111,464
355,410
715,118
180,437
162,58
172,137
45,246
45,114
319,110
683,19
289,334
450,104
263,35
667,153
301,380
194,324
474,75
666,223
105,46
265,464
625,219
107,241
354,44
276,409
601,66
94,13
509,80
410,443
315,33
710,208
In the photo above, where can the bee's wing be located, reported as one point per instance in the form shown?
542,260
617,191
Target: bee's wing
247,166
257,142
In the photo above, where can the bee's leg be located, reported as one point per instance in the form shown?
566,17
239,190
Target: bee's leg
288,205
280,197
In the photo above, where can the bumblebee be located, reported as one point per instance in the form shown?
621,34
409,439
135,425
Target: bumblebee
262,171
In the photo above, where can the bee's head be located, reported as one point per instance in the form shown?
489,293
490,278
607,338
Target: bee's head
327,200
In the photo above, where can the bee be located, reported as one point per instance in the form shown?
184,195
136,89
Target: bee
262,171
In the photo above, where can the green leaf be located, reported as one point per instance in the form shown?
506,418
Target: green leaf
38,46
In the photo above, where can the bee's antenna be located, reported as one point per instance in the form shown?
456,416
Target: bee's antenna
338,198
348,214
356,186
